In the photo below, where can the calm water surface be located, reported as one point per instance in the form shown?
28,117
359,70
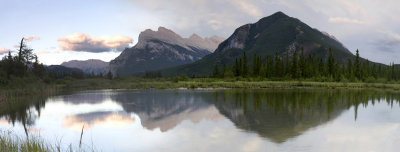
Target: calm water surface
215,120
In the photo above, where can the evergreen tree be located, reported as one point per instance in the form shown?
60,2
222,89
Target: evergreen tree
257,63
109,75
295,67
321,71
240,67
255,73
302,63
277,66
225,71
393,72
357,70
9,65
310,64
287,64
330,63
373,71
215,73
366,69
38,69
236,68
349,72
269,70
380,71
263,72
245,71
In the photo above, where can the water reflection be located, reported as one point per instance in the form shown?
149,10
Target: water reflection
276,116
23,109
167,109
89,120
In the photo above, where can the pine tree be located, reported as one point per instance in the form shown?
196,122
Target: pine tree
321,71
357,70
245,71
109,75
277,66
373,71
215,73
295,67
349,72
287,64
225,71
302,63
255,73
240,67
310,71
393,72
263,71
38,69
269,68
380,72
330,63
236,68
257,63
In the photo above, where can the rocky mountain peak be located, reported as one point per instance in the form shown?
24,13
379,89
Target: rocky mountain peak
160,49
168,36
195,37
162,34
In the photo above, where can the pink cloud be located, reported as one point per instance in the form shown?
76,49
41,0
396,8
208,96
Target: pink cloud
3,51
85,43
31,38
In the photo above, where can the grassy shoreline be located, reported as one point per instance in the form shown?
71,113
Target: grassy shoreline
138,83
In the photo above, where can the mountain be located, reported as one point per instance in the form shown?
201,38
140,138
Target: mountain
59,71
88,66
162,49
275,34
166,110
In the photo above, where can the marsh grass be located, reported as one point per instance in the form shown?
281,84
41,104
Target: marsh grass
10,142
191,83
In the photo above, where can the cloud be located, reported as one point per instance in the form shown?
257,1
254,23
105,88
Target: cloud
42,52
203,17
387,41
85,43
215,24
89,120
344,20
4,51
31,38
247,7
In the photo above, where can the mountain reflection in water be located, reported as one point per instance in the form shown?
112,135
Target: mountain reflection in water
275,115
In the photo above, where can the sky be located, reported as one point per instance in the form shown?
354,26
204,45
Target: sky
64,30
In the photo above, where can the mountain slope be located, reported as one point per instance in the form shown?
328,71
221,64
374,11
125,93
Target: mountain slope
161,49
59,71
275,34
88,66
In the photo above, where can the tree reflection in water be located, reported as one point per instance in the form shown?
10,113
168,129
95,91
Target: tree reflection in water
286,113
274,114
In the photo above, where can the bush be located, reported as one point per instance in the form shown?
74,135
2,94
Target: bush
180,78
370,79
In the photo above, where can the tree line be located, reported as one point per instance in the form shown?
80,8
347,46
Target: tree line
25,64
298,66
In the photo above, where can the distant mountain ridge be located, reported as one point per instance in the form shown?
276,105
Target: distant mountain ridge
59,71
162,49
276,34
88,66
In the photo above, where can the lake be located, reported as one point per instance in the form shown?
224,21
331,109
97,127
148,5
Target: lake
245,120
